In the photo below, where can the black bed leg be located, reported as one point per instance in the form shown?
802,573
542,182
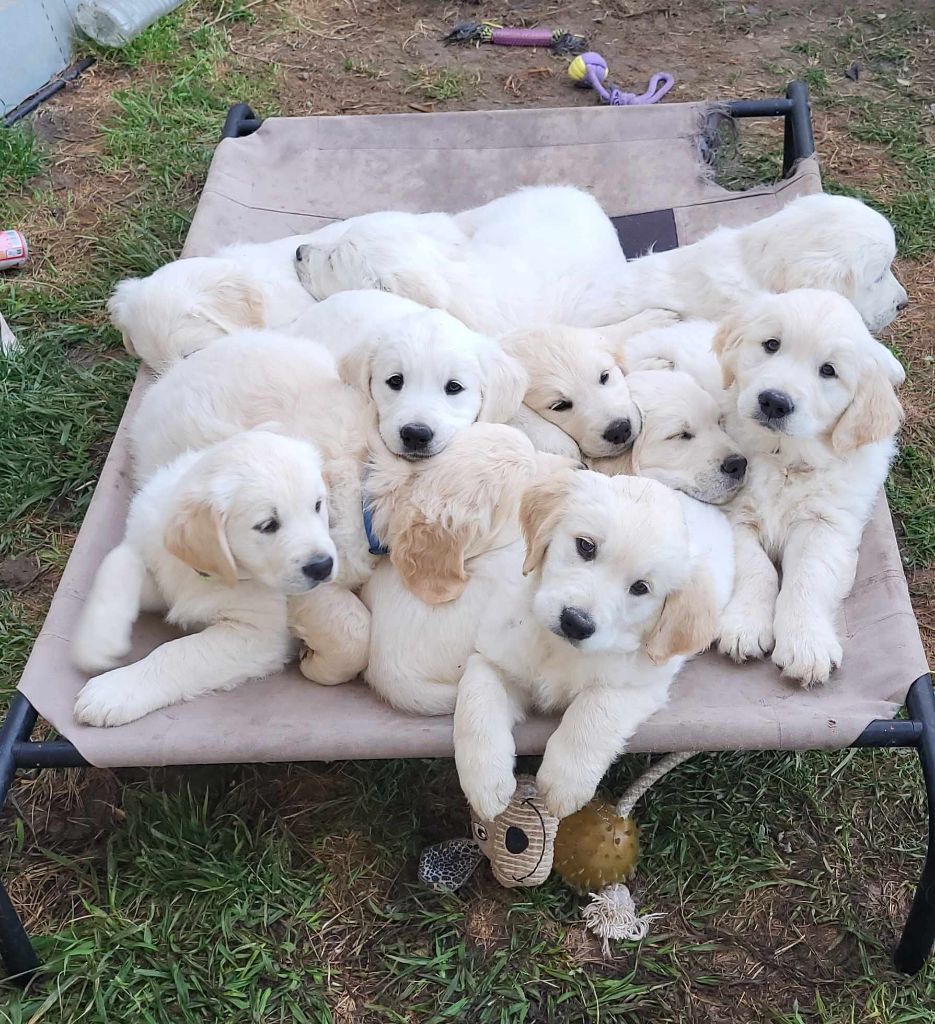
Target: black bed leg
919,933
19,957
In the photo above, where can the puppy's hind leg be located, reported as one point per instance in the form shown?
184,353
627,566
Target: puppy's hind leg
105,629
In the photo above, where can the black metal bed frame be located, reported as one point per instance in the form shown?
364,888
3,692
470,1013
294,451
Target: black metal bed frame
19,753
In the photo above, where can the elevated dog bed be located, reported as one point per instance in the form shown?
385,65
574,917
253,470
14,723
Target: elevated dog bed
646,167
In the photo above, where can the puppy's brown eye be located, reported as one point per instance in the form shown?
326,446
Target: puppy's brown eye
395,383
561,406
454,387
605,376
268,525
318,505
771,345
827,370
639,588
586,548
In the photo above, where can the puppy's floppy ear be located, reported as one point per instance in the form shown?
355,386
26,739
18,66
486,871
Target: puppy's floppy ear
195,534
430,559
727,340
687,623
354,367
504,384
540,510
234,302
873,415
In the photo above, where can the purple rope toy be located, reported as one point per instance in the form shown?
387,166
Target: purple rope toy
590,71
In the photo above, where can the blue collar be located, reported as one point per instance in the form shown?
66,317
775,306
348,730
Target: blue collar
373,541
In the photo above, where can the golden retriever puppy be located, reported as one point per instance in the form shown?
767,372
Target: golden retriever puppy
815,413
623,580
683,443
453,532
219,539
577,384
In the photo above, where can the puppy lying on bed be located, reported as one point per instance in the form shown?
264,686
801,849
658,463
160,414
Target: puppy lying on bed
219,538
623,579
528,257
187,304
816,415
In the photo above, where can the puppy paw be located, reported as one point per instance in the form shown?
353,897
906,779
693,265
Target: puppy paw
113,698
745,634
315,666
97,650
563,792
489,785
653,319
809,653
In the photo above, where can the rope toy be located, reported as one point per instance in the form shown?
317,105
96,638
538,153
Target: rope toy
558,41
590,71
594,851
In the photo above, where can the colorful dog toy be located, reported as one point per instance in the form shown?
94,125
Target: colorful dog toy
487,32
590,71
594,851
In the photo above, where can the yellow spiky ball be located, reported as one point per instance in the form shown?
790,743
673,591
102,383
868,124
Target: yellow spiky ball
595,847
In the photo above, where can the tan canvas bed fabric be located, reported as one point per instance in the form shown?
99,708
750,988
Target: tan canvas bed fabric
295,174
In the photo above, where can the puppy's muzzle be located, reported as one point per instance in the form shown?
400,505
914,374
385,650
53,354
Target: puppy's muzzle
318,569
618,432
774,407
576,625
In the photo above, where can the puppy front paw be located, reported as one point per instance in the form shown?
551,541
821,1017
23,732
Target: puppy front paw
653,319
488,783
807,651
563,790
745,633
113,698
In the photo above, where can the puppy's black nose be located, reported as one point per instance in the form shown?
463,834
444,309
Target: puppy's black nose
618,432
900,306
775,404
298,254
576,624
734,466
415,436
318,568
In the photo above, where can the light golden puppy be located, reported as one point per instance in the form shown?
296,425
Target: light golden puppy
623,579
813,409
219,538
683,443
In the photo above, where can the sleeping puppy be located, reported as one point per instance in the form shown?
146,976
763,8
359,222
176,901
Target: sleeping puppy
819,241
527,257
218,539
577,384
453,533
623,579
427,376
189,303
683,443
816,415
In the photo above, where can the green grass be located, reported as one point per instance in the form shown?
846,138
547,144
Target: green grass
288,894
21,158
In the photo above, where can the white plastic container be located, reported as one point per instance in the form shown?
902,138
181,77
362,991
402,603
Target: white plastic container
13,249
118,22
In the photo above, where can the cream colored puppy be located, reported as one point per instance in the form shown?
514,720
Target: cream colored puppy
683,443
814,412
259,378
218,539
453,530
577,384
623,579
